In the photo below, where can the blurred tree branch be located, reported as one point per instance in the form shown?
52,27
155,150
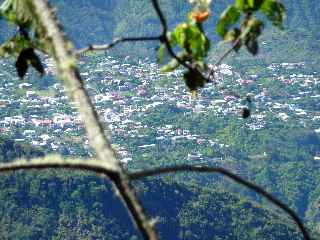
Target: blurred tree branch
64,57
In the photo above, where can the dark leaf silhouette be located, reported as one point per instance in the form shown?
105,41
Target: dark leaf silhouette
194,80
21,65
246,112
26,57
36,63
252,46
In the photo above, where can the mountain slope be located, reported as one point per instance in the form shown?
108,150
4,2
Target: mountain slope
98,21
101,21
53,205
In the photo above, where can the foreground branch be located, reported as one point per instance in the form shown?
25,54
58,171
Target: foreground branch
56,162
204,169
64,56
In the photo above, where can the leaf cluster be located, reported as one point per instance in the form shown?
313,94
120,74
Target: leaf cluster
238,24
29,37
247,32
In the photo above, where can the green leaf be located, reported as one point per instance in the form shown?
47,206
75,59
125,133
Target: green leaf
229,17
251,28
191,39
251,3
254,5
161,53
14,46
178,36
250,31
275,12
171,66
232,35
248,5
240,4
17,12
197,44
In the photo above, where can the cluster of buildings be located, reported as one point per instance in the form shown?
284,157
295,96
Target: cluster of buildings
127,93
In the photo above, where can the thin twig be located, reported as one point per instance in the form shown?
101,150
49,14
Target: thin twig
56,162
234,45
219,61
205,169
101,47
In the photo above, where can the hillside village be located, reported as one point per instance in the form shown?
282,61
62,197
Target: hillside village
126,93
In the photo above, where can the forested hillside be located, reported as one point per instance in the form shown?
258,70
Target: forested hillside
68,205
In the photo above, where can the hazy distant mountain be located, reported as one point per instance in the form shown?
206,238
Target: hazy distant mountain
100,21
97,21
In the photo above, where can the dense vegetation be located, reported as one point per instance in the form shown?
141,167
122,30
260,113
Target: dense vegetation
73,204
68,205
